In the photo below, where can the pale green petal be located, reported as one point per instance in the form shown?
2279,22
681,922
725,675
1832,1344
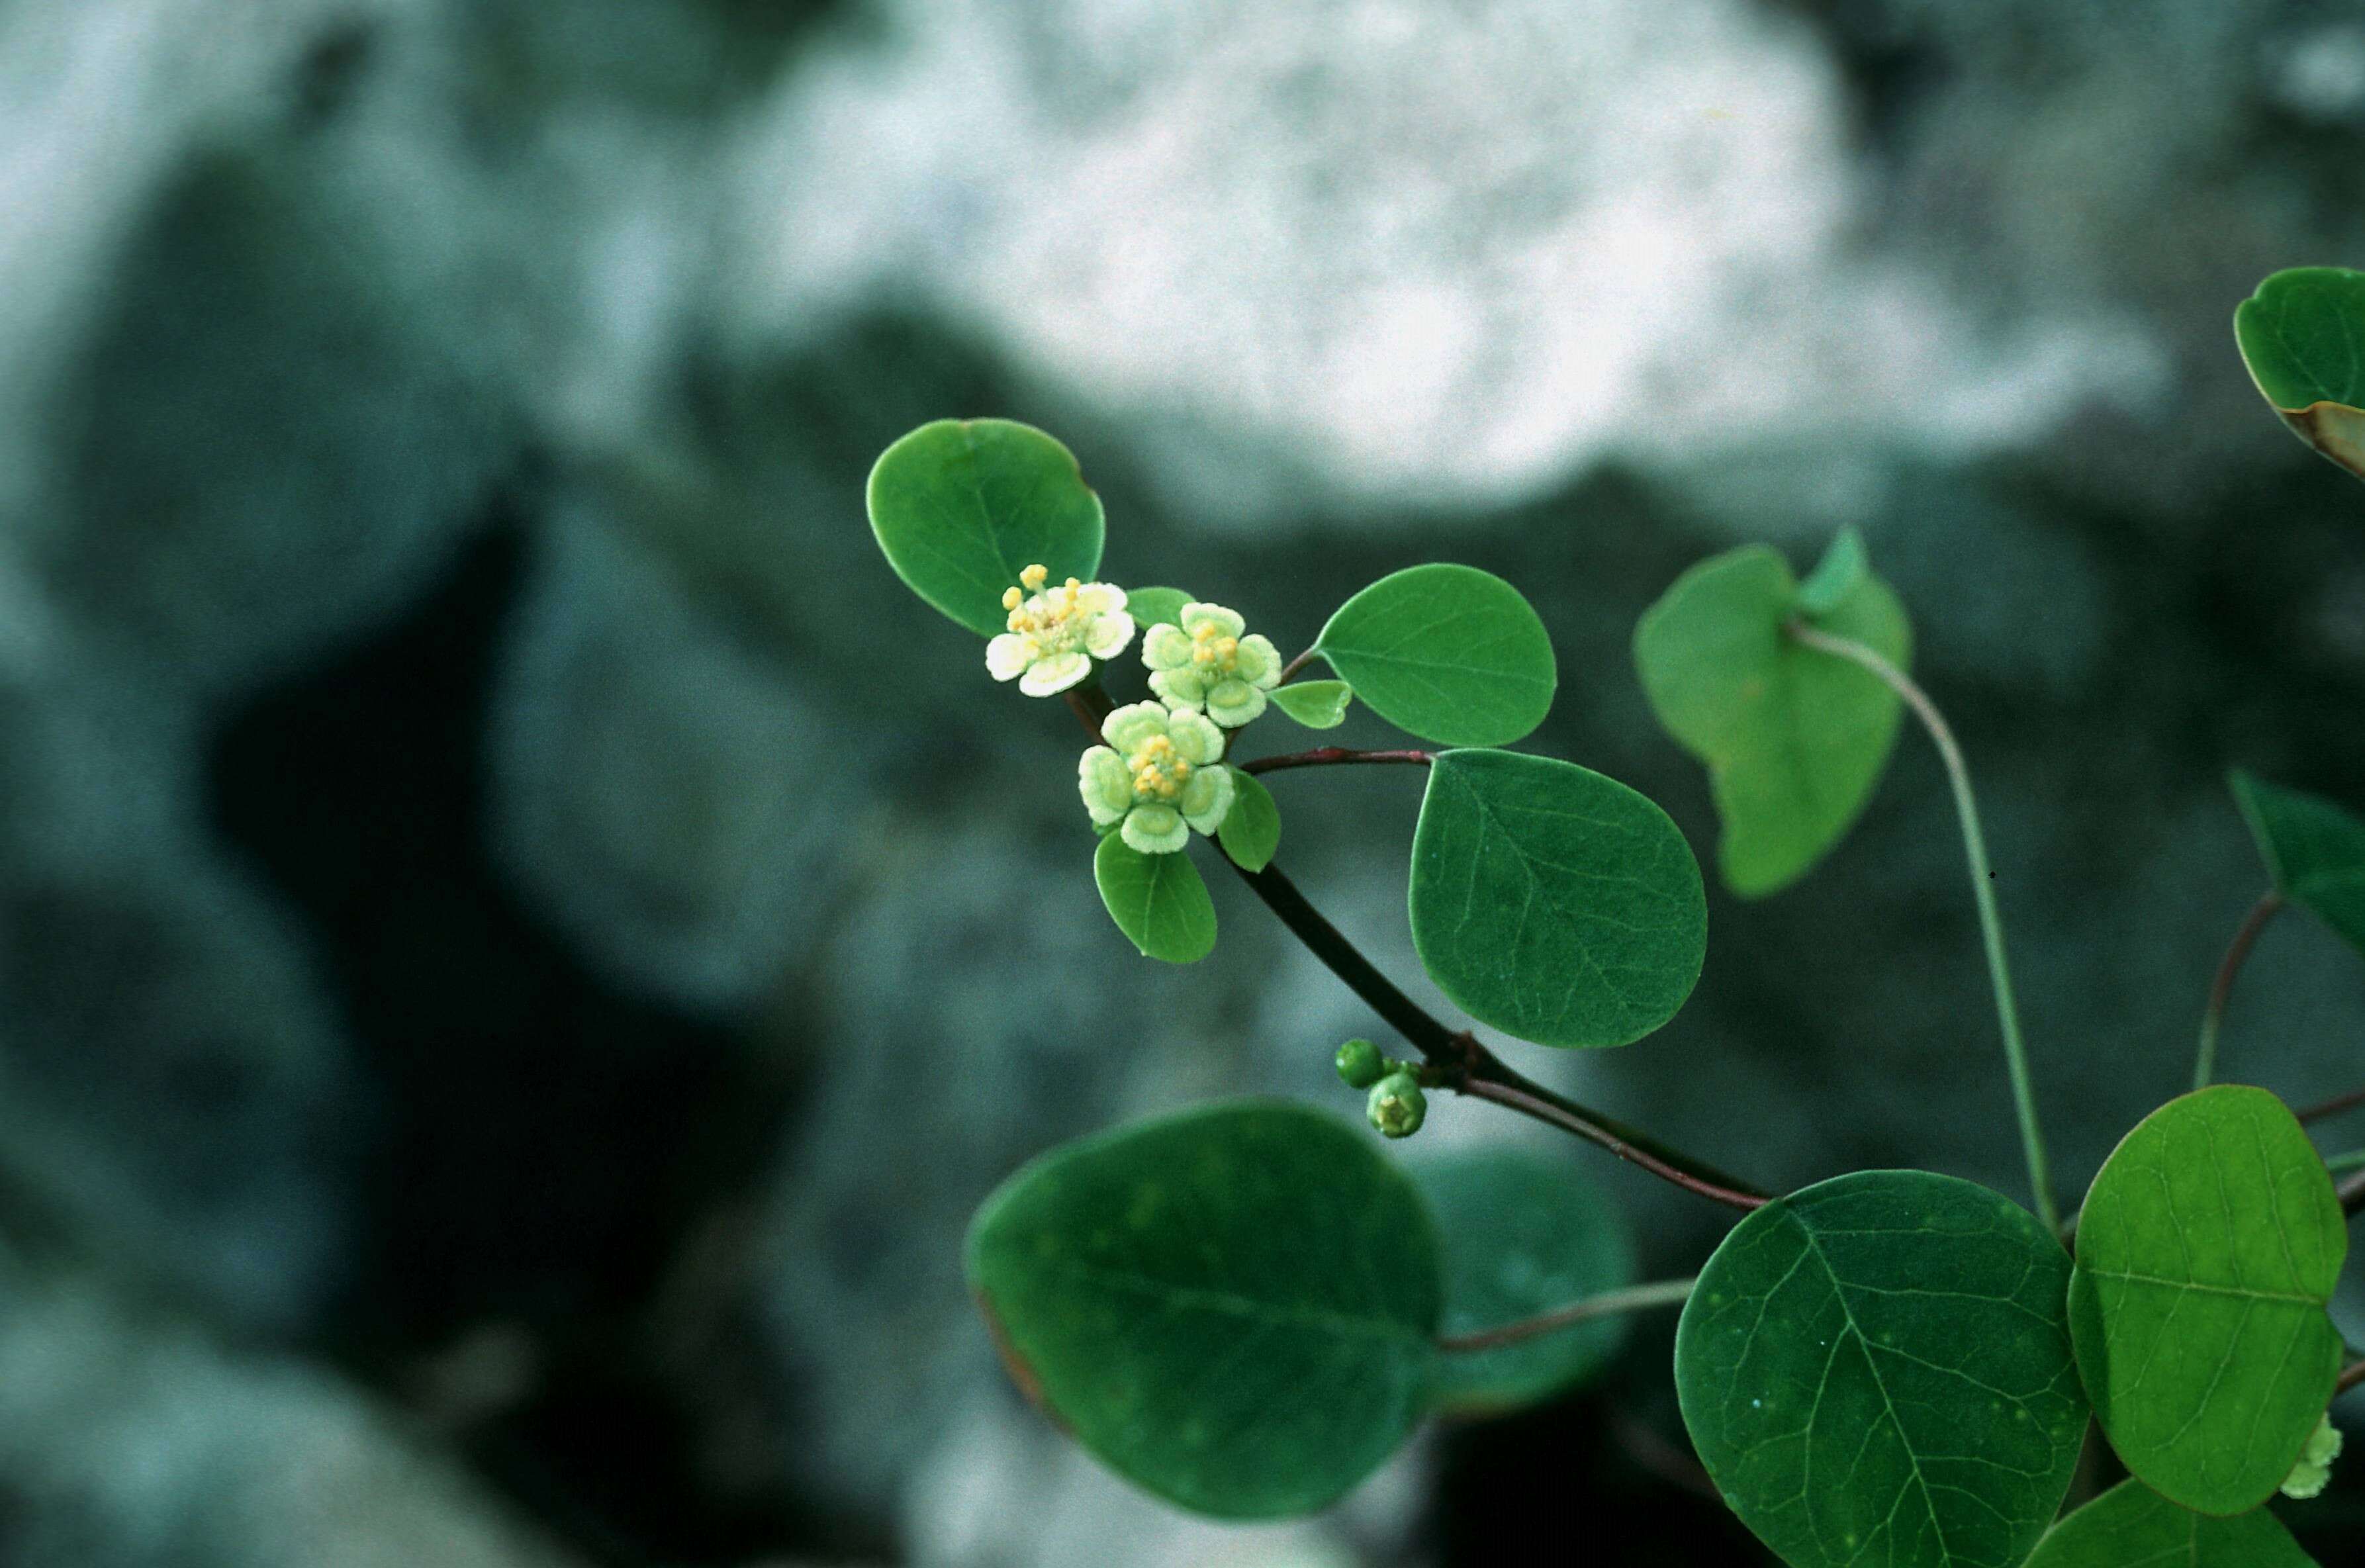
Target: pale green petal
1050,677
1134,723
1155,830
1007,656
1100,598
1105,635
1165,647
1207,798
1233,702
1258,662
1106,787
1227,622
1199,742
1183,689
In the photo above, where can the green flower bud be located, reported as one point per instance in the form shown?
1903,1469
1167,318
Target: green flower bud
2313,1472
1396,1105
1361,1064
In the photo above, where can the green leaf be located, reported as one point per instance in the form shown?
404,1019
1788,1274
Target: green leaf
2315,851
1836,577
1233,1307
2208,1248
1876,1370
1156,900
1156,606
1450,654
2131,1526
1524,1231
1794,739
961,506
1252,829
2302,335
1551,903
1316,704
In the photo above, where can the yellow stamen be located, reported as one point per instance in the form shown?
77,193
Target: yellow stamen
1034,576
1011,598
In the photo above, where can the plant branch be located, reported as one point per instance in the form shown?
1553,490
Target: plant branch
2352,1160
1633,1298
2350,1376
1334,757
1289,671
1456,1060
2333,1106
2204,1064
1974,850
2352,1195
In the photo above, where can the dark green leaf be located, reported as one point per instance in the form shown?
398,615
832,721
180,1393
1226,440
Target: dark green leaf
1876,1370
1316,704
961,506
2302,335
1794,739
1234,1307
2207,1249
1156,900
2315,851
1553,903
1156,606
1450,654
1252,829
1524,1231
2131,1526
1836,577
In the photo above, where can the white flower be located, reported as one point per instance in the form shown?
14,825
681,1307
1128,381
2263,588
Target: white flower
1205,663
1160,775
1056,633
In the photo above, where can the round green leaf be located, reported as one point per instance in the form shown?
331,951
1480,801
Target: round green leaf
1157,901
1555,903
2302,336
1233,1307
1523,1231
1836,577
1316,704
1156,606
1876,1370
2315,851
1794,739
2207,1250
1450,654
2131,1526
1252,829
961,506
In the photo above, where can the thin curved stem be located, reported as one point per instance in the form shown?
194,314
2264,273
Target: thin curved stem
2204,1064
1456,1060
1334,757
1609,1304
2352,1160
2352,1195
2350,1376
1974,850
1289,671
2333,1106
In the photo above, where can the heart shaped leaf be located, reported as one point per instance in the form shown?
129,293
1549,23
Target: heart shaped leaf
961,506
1316,704
1450,654
1877,1370
2131,1525
1555,903
2302,335
1524,1232
1252,829
2207,1250
2315,851
1233,1307
1156,606
1157,901
1794,739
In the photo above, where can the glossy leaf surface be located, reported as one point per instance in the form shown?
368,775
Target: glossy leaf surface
1159,901
1450,654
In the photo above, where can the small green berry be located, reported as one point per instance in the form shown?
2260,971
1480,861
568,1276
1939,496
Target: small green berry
1396,1105
1361,1064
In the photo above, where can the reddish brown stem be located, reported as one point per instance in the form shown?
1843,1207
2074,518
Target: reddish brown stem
2350,1376
1334,757
2352,1193
1289,671
2333,1106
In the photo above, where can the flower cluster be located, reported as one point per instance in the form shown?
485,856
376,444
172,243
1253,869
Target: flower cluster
1057,633
1159,776
1209,664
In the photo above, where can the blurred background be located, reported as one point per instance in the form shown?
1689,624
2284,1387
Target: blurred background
521,945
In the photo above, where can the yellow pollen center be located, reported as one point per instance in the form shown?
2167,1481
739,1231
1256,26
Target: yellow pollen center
1055,618
1159,770
1213,652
